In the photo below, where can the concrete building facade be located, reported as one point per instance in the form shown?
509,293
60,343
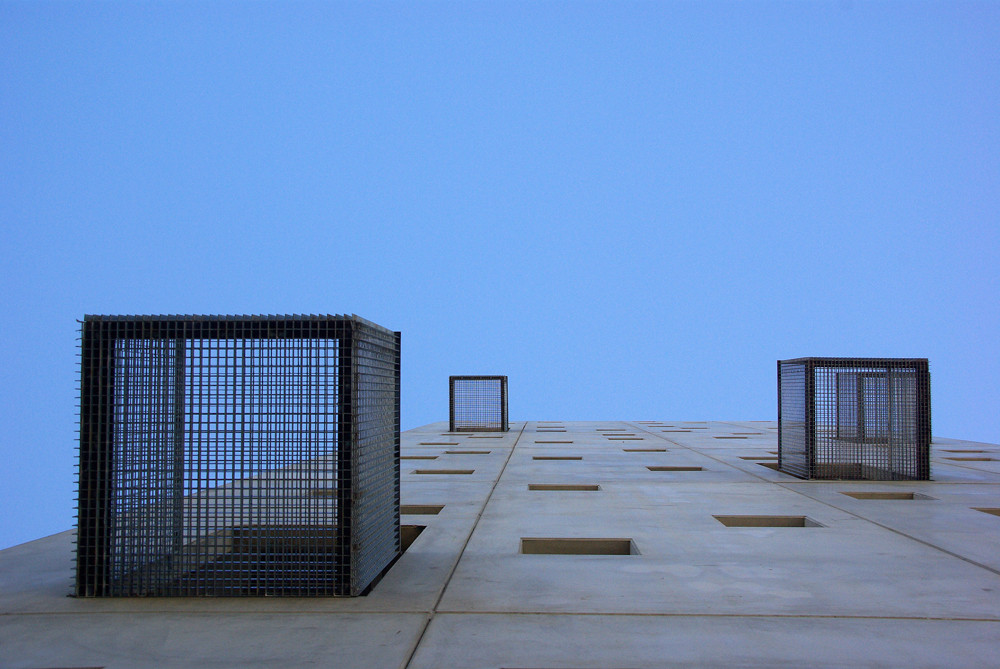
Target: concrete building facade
591,544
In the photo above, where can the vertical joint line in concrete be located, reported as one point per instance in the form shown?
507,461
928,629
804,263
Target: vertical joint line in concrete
447,580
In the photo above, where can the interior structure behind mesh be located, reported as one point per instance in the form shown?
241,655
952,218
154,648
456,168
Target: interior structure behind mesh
477,403
220,455
854,418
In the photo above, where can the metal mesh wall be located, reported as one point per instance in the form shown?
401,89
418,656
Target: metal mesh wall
477,403
223,455
854,418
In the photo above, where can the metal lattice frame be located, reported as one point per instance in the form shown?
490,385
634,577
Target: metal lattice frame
237,455
477,404
854,418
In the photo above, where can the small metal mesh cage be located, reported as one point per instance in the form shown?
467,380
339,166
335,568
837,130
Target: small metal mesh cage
477,403
236,455
854,418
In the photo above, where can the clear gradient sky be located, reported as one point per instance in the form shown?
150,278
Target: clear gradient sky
631,209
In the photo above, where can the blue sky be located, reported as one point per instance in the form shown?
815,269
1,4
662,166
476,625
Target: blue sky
631,209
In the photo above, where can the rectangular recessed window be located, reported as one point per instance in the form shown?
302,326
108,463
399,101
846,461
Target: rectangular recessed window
675,430
758,457
886,495
946,450
408,534
476,436
557,457
564,487
730,437
645,450
767,521
554,442
664,468
438,443
418,457
421,509
976,459
539,546
444,471
625,438
769,465
994,512
467,452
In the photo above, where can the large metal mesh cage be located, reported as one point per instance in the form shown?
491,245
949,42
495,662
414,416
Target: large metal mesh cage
477,404
854,418
236,455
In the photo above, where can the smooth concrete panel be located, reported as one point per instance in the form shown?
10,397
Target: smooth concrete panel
126,641
634,642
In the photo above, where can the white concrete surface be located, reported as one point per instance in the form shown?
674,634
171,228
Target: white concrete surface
882,583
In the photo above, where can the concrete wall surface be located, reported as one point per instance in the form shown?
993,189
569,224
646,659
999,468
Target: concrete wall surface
591,544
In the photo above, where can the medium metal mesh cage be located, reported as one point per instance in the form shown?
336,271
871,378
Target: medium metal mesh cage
854,418
236,455
477,404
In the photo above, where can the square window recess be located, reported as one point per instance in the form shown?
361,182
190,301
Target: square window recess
645,450
557,457
408,534
564,487
767,521
444,471
666,468
421,509
995,512
467,452
540,546
886,495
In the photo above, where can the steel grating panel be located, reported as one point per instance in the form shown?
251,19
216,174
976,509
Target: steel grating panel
227,455
854,418
477,404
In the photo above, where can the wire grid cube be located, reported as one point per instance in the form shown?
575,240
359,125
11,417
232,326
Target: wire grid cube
236,455
854,418
477,404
